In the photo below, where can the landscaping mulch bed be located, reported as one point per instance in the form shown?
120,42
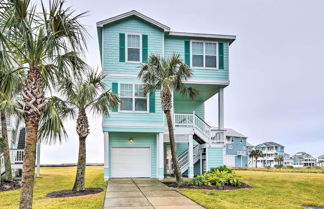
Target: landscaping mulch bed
7,186
186,186
70,193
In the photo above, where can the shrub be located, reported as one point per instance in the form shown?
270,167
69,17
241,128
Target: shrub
268,167
289,167
278,166
217,177
221,168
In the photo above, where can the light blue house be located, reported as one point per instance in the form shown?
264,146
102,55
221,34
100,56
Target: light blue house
236,151
136,140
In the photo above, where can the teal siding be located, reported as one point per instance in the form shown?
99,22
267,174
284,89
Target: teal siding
188,106
177,45
151,118
140,140
215,157
111,33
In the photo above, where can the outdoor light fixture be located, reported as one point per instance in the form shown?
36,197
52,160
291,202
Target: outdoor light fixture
131,141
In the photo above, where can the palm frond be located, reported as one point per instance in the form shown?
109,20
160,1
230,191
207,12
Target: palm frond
51,128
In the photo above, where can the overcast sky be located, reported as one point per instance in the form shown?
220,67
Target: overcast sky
276,68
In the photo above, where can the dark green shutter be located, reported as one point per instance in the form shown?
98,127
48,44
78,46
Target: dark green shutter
122,47
152,102
144,48
221,55
187,52
115,91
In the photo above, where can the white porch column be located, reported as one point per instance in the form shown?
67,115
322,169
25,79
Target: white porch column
190,156
160,150
38,148
200,163
106,155
221,108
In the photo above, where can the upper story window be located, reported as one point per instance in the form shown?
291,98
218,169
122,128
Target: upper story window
204,54
133,47
132,98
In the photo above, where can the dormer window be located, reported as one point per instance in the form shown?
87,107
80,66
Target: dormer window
204,54
133,47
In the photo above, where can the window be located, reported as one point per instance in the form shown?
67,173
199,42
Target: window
133,48
204,54
132,98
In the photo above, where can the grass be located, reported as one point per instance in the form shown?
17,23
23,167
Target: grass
287,170
270,190
56,179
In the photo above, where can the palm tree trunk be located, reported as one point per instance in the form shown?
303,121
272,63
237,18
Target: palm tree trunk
83,131
177,171
33,95
26,194
80,174
256,162
5,148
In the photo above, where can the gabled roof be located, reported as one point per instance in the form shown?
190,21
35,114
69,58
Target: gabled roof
133,13
269,144
231,132
321,157
165,28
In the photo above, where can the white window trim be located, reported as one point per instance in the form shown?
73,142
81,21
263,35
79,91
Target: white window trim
140,52
133,97
204,55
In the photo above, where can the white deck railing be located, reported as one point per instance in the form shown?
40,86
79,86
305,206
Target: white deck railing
192,120
217,137
16,156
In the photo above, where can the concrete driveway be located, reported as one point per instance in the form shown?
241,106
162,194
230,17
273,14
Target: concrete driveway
145,193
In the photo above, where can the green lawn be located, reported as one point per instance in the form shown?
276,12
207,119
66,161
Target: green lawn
56,179
270,190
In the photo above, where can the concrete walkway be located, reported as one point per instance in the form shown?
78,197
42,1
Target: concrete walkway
144,194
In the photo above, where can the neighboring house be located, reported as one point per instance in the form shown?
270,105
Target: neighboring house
302,159
287,160
236,152
16,136
136,142
270,150
320,160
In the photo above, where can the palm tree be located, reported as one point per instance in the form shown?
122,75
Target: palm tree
10,85
1,146
47,41
279,159
167,76
82,95
256,154
251,155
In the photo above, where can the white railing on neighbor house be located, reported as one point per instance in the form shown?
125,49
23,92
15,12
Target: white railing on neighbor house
217,137
192,120
16,156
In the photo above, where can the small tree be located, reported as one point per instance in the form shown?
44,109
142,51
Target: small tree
279,159
86,94
256,154
167,76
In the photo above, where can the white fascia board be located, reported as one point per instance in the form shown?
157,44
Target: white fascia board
231,38
137,14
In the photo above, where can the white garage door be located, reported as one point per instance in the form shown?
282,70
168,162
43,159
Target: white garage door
130,162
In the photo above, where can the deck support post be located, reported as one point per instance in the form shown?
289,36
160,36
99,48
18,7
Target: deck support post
160,146
190,156
221,109
38,149
106,155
